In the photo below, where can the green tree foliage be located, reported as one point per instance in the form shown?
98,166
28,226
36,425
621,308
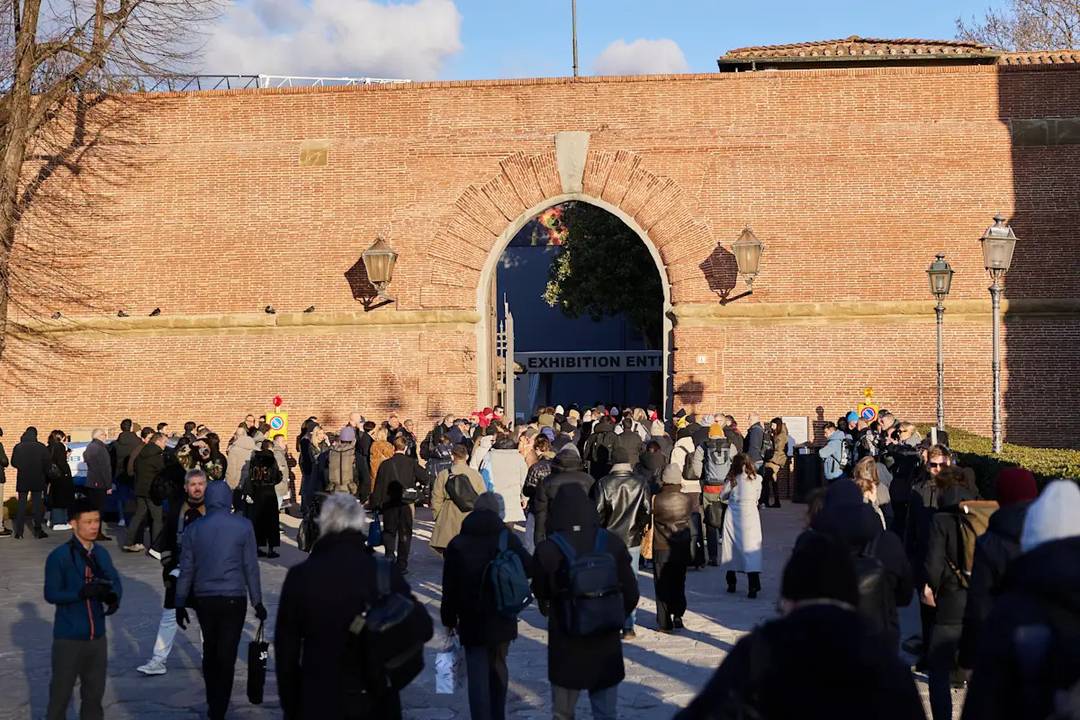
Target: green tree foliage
603,269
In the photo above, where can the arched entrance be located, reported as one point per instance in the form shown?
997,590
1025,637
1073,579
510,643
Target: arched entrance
486,302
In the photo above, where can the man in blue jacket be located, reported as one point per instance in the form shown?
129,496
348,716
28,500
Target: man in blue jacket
82,583
218,569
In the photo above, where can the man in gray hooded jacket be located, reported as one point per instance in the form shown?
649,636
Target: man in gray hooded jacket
218,568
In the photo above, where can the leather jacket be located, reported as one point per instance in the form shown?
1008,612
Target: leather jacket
622,501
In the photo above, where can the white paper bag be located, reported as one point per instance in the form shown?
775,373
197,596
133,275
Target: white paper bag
449,667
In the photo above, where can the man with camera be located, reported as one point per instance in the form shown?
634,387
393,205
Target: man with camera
82,583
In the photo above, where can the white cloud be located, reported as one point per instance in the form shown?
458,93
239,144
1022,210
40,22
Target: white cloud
341,38
641,57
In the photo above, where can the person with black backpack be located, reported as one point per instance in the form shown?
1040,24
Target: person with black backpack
480,562
453,497
597,449
816,661
1028,661
882,570
585,585
947,577
330,638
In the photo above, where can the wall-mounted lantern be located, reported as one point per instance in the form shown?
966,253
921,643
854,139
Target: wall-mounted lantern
747,250
379,261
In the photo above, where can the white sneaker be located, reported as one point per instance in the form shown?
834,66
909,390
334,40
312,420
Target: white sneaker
152,668
65,526
154,554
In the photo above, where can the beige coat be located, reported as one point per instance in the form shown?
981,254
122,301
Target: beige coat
448,517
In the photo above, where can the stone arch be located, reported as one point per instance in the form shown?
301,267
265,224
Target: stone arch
485,218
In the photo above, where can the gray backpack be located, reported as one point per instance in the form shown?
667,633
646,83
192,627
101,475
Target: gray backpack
717,461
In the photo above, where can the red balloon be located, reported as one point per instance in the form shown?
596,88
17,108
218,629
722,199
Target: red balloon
277,401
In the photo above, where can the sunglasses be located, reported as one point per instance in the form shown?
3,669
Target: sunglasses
937,465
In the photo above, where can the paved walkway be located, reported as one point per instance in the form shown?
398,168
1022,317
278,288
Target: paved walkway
662,671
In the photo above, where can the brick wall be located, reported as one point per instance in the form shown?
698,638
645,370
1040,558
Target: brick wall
853,179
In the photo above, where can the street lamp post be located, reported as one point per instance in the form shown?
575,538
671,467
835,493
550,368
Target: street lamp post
940,275
998,243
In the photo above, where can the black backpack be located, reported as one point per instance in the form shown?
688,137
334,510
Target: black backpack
599,448
390,636
767,445
593,602
875,598
461,492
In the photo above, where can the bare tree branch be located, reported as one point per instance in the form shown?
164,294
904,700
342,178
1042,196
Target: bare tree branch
1026,25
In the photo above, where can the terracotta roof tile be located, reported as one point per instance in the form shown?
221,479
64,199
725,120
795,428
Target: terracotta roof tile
1040,57
855,46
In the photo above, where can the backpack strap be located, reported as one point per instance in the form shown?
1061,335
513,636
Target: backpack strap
504,540
563,545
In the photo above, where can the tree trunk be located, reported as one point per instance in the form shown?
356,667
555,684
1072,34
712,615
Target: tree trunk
16,138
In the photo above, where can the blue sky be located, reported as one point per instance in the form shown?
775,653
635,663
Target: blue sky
521,39
470,39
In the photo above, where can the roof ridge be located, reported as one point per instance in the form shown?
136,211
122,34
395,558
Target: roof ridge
851,39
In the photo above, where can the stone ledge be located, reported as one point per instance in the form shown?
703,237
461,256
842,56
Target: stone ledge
247,322
696,314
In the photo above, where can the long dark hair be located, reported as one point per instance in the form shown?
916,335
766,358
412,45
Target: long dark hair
742,464
214,443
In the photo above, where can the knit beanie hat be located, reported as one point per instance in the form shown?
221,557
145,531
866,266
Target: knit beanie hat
1015,485
820,568
491,501
1054,516
716,430
672,475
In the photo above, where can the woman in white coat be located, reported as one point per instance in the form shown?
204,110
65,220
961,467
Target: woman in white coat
741,549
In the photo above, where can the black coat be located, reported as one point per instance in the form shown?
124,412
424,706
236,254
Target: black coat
126,443
997,547
849,519
571,474
466,601
622,502
944,545
266,463
591,663
148,464
734,437
319,599
4,462
362,455
62,486
671,523
400,469
1041,593
816,663
31,458
755,434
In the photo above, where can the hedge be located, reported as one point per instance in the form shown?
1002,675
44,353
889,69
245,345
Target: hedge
974,451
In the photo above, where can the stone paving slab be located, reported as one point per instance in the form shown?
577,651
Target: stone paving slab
663,672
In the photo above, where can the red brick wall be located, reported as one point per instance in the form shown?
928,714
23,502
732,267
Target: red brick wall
852,178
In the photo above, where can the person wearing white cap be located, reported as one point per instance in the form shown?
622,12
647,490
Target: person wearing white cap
1027,664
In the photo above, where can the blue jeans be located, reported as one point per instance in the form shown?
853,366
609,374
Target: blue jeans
635,559
604,702
488,680
121,494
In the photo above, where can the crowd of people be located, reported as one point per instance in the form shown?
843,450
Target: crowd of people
568,509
